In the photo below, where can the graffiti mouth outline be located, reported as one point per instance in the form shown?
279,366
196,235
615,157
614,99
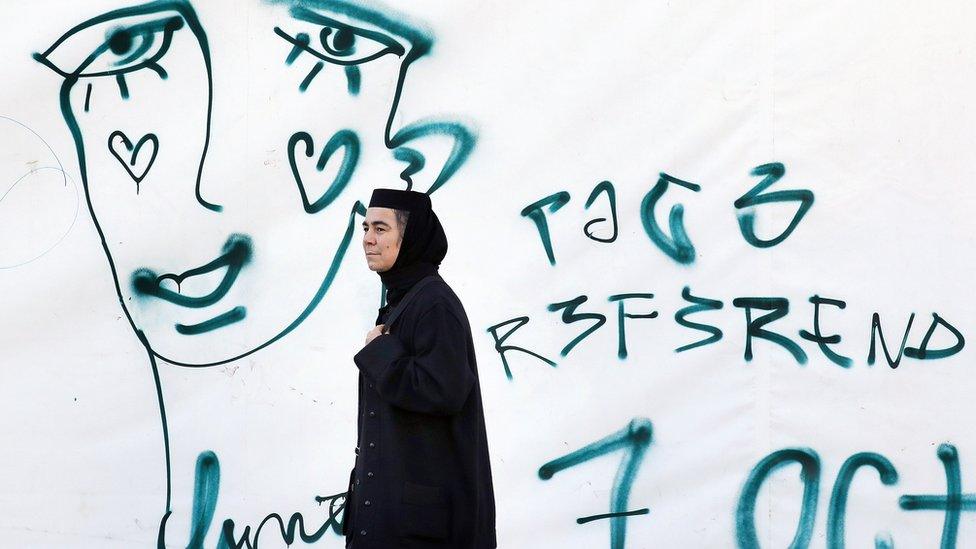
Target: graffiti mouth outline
237,252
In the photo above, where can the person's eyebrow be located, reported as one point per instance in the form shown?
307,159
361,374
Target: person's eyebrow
374,223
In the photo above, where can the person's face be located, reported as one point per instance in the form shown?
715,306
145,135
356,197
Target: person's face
225,216
382,236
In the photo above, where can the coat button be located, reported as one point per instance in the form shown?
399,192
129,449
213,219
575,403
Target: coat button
357,481
372,413
362,532
367,503
371,445
369,474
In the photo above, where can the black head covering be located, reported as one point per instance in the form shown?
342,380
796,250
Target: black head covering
423,247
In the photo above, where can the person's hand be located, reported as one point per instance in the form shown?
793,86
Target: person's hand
375,332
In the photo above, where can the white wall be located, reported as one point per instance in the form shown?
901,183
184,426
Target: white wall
866,105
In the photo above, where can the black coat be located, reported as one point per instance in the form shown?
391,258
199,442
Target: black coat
422,476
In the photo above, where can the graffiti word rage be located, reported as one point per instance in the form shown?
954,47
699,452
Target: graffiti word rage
678,245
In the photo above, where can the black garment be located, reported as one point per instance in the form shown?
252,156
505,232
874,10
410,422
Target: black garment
398,287
422,477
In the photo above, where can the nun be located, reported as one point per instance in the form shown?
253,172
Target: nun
422,476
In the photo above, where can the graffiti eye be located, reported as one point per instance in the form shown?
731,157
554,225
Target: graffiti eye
338,43
109,47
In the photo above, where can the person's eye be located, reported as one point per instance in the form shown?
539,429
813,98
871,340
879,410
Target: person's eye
337,42
106,46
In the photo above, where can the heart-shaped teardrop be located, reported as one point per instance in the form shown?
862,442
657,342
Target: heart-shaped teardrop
118,141
343,139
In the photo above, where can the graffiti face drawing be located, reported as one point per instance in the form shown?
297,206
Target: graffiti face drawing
225,175
226,217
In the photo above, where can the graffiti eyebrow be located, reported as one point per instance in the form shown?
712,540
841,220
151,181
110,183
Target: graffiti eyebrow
419,38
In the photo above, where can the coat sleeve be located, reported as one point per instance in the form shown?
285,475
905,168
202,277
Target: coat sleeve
435,380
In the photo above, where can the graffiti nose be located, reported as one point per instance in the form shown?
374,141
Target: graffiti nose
433,151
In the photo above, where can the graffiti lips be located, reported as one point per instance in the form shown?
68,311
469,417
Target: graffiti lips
236,253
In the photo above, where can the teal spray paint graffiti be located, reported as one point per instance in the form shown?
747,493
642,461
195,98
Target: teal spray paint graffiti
140,37
677,246
952,503
634,439
756,328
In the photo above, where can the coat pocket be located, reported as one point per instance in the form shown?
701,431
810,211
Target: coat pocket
425,512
